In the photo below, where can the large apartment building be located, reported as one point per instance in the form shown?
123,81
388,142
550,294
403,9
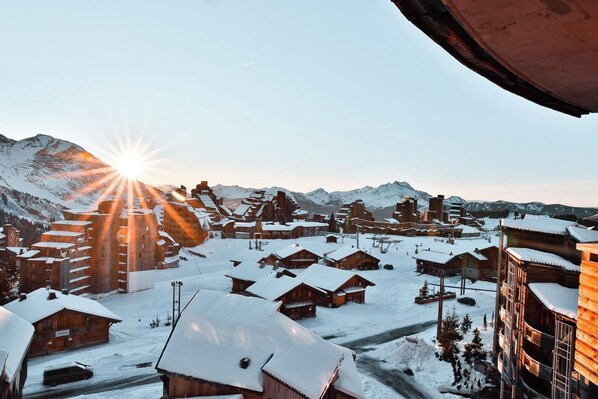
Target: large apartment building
537,303
104,250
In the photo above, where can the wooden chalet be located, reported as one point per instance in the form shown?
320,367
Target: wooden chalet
298,298
247,273
292,257
352,258
259,353
16,335
340,286
62,321
331,239
586,343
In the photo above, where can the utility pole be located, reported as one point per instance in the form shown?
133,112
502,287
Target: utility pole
440,303
176,301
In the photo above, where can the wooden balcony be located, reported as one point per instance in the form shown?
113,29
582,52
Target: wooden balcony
537,337
538,369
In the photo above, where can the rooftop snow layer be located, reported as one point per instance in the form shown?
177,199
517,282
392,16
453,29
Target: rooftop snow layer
540,224
37,306
543,258
344,252
15,336
288,251
273,286
48,244
227,328
435,257
557,298
582,234
250,271
326,277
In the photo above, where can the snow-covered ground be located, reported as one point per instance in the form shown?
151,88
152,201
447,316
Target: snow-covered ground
122,364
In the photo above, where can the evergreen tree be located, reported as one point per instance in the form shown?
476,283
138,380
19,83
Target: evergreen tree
466,324
475,348
332,226
449,335
424,290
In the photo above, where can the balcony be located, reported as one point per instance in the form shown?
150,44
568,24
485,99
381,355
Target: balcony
503,313
537,337
536,368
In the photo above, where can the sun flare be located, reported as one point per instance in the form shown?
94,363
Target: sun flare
130,166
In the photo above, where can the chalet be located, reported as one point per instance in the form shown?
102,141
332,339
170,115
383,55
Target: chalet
248,255
280,231
167,251
246,273
331,239
352,258
259,353
62,321
438,263
341,286
298,298
16,335
292,257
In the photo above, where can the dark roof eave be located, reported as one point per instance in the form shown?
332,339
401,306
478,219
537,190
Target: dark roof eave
434,19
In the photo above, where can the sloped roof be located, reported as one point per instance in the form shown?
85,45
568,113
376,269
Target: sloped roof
539,224
290,250
326,277
37,306
251,271
274,285
226,328
344,252
15,336
435,257
583,234
542,258
557,298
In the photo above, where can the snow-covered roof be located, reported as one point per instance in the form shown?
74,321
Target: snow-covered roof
15,336
227,328
242,209
249,255
435,257
49,244
28,253
245,224
557,298
251,271
391,220
2,236
344,252
582,234
73,222
207,201
273,286
166,235
467,229
62,233
278,227
37,306
539,224
543,258
326,277
477,255
288,251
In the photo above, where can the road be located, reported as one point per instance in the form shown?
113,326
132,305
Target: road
395,379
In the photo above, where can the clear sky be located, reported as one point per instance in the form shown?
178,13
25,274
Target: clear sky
303,94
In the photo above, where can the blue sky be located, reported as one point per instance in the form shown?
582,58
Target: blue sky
336,94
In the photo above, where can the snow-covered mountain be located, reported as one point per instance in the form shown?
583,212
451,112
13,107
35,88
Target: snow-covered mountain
53,169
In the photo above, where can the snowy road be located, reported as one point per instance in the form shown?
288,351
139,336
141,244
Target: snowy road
396,379
68,390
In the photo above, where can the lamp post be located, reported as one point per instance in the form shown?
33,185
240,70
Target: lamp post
176,301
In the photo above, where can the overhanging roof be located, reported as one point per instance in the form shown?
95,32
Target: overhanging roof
543,50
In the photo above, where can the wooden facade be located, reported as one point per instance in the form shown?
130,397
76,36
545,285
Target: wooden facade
68,330
353,290
298,260
359,260
299,303
182,224
179,386
586,345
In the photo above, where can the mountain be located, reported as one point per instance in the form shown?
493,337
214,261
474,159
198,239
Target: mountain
381,200
42,175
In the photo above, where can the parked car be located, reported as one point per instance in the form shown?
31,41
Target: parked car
467,301
68,372
388,266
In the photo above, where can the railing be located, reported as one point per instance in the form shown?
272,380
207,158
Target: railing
538,369
537,337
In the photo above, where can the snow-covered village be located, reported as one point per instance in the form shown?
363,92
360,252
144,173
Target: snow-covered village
382,199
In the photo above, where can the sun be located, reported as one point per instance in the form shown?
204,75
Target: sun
130,166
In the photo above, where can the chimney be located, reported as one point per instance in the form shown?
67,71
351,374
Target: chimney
51,295
22,296
279,274
65,291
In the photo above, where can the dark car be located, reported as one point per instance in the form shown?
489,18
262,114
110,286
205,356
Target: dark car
467,301
68,372
388,266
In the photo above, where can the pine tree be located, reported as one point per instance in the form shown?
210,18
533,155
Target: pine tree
424,291
332,226
449,335
466,324
474,349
